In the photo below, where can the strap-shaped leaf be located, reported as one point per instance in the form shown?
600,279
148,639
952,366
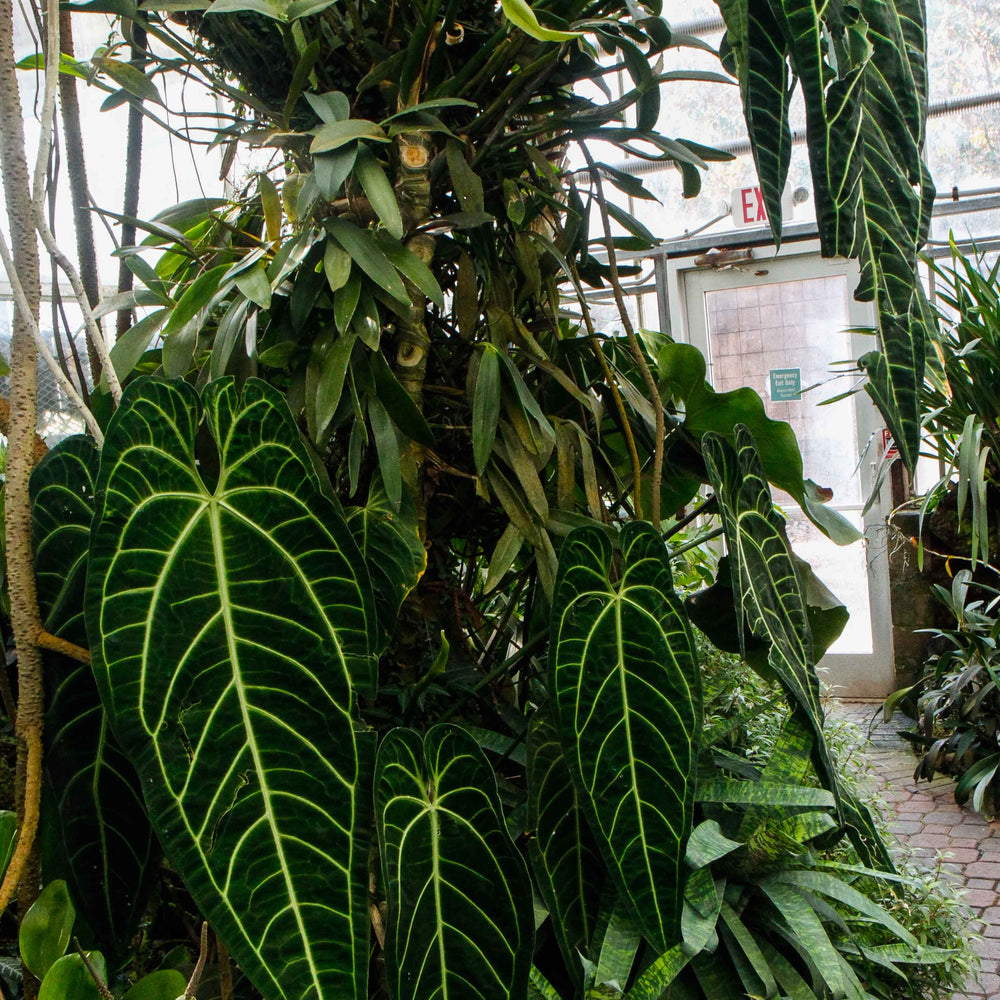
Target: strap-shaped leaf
229,609
625,681
95,831
564,855
460,917
769,599
863,73
760,64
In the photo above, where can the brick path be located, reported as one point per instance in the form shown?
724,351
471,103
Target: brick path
927,818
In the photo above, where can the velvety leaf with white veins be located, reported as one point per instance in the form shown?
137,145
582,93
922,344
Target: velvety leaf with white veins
461,924
624,676
230,611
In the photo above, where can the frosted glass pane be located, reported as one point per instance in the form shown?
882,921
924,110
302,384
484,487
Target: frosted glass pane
792,324
844,569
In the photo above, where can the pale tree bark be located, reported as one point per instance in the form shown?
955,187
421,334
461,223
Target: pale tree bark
20,454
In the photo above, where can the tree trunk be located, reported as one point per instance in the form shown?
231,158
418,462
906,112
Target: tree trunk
413,190
20,456
76,167
133,168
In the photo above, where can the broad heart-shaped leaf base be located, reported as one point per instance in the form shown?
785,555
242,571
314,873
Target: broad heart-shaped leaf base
230,611
461,923
624,678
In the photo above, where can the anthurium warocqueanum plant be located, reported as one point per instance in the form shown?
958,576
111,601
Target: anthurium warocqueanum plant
374,561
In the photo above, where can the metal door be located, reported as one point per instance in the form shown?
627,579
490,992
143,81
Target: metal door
786,322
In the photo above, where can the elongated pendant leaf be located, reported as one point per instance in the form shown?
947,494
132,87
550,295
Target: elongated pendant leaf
460,915
769,599
863,72
624,675
564,854
229,609
95,831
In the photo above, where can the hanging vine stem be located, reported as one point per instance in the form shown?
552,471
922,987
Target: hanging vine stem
612,383
38,202
640,358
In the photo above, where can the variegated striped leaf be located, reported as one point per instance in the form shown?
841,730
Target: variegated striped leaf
625,682
760,64
565,856
768,597
461,925
770,604
229,609
863,72
96,834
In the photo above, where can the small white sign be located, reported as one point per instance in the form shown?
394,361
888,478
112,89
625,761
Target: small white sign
749,209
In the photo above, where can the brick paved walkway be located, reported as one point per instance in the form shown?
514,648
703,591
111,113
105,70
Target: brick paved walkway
927,818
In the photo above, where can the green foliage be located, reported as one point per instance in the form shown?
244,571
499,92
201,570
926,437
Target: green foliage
92,811
233,699
46,929
961,408
625,652
78,975
458,891
958,707
863,76
433,486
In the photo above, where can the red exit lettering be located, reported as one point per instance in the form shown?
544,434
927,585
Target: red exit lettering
752,201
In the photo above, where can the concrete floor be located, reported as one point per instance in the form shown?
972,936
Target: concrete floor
925,816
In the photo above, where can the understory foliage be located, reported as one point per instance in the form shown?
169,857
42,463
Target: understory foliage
375,564
957,706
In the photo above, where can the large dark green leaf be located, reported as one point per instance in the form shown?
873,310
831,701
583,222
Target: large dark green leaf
768,596
714,610
624,677
460,915
230,611
760,64
564,855
95,831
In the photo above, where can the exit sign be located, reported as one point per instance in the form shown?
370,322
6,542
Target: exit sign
749,209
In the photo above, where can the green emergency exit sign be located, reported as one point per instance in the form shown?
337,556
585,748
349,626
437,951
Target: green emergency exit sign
786,384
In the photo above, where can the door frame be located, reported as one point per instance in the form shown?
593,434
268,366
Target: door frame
682,279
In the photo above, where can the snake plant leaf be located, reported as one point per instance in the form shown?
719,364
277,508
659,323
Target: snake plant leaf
764,582
96,834
460,914
625,682
392,550
808,935
564,855
230,610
